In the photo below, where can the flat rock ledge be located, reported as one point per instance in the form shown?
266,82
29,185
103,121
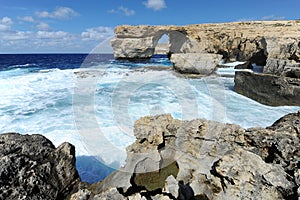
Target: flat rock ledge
170,159
201,159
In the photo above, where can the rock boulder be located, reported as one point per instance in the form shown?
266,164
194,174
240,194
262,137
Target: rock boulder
203,159
195,63
32,168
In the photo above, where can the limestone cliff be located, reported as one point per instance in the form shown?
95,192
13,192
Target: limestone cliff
243,41
193,48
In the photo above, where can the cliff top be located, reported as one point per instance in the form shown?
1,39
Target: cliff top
283,28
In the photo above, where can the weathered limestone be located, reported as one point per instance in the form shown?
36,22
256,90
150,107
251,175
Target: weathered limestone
170,159
32,168
235,41
203,159
195,63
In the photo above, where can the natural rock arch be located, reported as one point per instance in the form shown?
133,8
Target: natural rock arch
178,41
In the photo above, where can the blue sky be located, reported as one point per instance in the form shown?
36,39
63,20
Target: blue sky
60,26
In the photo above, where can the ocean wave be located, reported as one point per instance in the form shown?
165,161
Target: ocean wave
22,66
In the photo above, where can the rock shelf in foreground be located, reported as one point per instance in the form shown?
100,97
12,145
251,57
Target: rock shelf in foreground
170,159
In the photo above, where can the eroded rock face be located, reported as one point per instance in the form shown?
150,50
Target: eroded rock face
32,168
201,159
269,89
235,41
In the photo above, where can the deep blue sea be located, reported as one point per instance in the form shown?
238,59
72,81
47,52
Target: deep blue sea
93,100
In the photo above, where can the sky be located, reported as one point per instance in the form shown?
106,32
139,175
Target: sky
78,26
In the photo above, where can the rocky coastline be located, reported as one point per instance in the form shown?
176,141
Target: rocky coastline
170,159
197,49
177,159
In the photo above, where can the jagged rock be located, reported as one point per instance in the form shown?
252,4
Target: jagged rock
110,194
213,160
198,159
32,168
243,174
195,63
82,194
171,186
268,89
281,67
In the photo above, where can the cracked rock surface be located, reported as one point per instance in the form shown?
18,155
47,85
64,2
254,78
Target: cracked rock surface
32,168
202,159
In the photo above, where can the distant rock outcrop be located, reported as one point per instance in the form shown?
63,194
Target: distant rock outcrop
32,168
254,41
201,159
273,44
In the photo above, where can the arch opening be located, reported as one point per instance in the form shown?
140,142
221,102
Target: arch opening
163,45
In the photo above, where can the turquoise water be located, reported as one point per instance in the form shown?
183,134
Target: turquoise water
92,102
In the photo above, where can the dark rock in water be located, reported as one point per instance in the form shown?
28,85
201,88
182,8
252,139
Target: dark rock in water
268,89
280,67
32,168
203,159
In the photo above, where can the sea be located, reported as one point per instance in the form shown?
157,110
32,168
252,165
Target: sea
93,100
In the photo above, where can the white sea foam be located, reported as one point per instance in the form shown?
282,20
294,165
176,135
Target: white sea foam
44,103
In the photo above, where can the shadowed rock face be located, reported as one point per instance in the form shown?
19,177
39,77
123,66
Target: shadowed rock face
201,159
32,168
268,89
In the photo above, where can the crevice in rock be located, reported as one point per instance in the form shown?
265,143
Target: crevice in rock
294,57
131,190
223,53
163,144
222,178
148,194
259,58
273,153
185,191
289,195
204,139
142,140
201,197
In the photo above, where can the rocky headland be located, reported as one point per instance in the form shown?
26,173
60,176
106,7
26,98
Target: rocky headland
197,49
170,159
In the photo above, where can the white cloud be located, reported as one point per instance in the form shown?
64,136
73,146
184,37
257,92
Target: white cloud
43,26
126,11
123,10
98,34
15,35
5,24
155,4
52,34
46,40
26,19
58,13
272,17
